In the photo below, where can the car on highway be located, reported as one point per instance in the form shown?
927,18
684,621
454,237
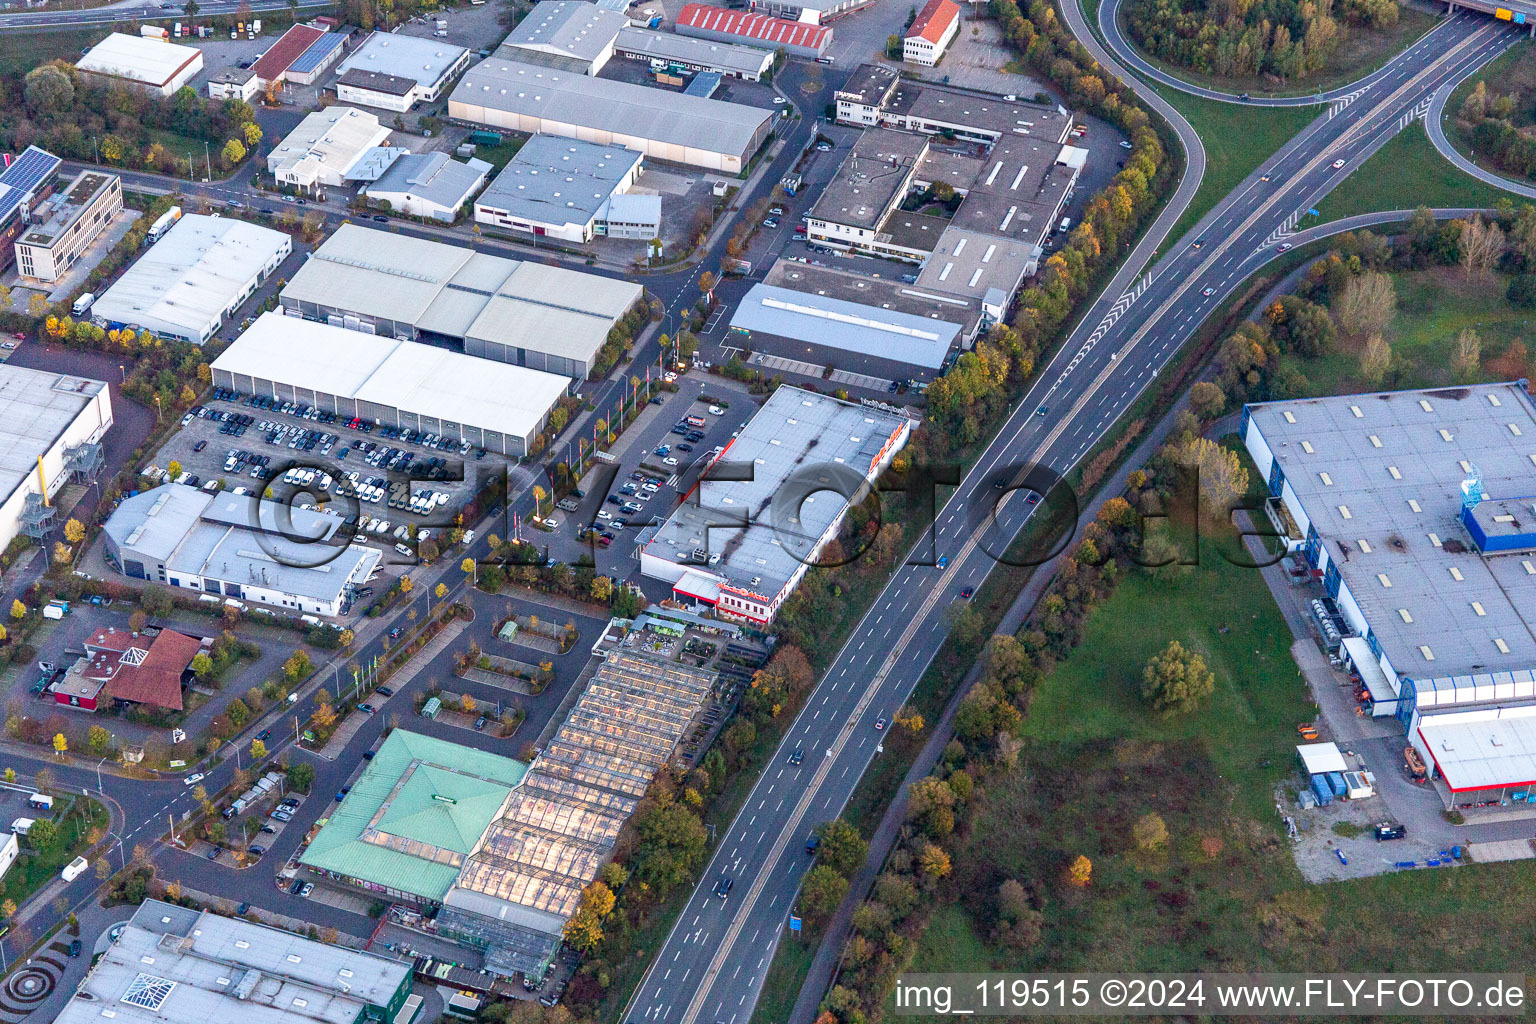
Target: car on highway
943,561
1208,291
264,735
967,592
396,633
193,779
1199,244
880,724
1337,164
1389,830
812,843
1284,247
797,756
723,887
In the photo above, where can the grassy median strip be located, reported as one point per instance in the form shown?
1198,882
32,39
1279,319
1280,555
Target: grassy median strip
1406,171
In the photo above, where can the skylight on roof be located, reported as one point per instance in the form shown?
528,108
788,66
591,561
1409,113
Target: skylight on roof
1456,574
1386,581
1501,645
1403,613
148,991
1356,410
1344,511
1429,655
1414,505
1375,441
1395,474
1477,606
1424,404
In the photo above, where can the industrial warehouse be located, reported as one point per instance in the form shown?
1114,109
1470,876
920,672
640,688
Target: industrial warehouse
331,147
741,546
1417,512
671,126
51,426
194,277
493,405
571,190
523,313
499,850
142,63
796,38
428,65
171,965
567,35
240,547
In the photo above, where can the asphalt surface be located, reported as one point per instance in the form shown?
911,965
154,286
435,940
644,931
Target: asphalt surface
34,20
1434,124
714,962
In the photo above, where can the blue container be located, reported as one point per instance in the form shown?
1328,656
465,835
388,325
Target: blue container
1336,781
1456,852
1322,790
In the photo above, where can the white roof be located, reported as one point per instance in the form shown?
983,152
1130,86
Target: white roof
1483,749
152,61
36,408
188,279
1321,757
336,137
425,60
569,28
405,375
1369,666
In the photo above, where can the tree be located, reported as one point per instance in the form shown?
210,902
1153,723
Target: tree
707,283
346,638
325,716
1482,244
909,718
468,567
43,780
1375,360
233,152
1080,872
467,703
1366,305
301,775
60,744
18,610
74,530
62,555
1176,680
933,861
1223,478
252,132
1150,832
841,848
202,664
48,90
584,929
42,834
1207,400
98,738
297,666
822,892
173,469
1467,359
601,589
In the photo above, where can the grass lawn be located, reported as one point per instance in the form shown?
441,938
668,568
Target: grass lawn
1237,139
791,963
1433,307
1514,72
498,156
20,52
1223,893
1362,52
1405,173
31,872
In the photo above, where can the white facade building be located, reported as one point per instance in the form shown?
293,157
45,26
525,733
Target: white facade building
43,416
931,33
325,147
430,65
139,62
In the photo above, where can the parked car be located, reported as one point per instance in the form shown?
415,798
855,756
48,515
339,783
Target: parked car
1389,830
193,779
309,887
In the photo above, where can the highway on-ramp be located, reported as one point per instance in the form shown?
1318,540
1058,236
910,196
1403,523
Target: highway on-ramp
712,966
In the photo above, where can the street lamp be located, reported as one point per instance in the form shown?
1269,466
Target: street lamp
99,787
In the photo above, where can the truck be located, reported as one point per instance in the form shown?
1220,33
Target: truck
1064,226
176,30
256,27
154,32
40,802
163,224
55,610
74,869
21,826
82,305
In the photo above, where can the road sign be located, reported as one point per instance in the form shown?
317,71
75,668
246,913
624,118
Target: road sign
794,923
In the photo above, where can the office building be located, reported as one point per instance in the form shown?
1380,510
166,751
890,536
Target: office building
429,185
930,33
26,180
326,148
51,426
65,224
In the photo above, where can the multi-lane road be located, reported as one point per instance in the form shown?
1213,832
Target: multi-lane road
713,964
115,13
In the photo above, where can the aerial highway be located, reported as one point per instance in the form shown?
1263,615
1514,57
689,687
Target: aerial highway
712,966
36,20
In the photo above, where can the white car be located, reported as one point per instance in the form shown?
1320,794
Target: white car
715,410
604,514
193,779
669,461
1337,164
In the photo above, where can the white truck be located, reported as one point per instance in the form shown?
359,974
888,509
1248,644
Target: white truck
83,304
74,869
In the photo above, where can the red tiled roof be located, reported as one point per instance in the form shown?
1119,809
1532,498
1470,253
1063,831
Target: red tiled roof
285,51
934,20
157,678
753,26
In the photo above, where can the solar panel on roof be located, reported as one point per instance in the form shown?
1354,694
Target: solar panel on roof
23,176
317,52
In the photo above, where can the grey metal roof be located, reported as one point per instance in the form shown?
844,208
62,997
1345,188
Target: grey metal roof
568,28
605,105
873,176
555,180
887,293
36,408
167,969
794,431
1376,468
427,61
850,326
432,177
647,42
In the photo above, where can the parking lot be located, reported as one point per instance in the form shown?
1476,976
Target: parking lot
646,483
391,483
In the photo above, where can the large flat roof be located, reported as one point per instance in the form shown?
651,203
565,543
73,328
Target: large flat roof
567,28
873,176
620,107
138,58
433,177
281,55
794,430
60,210
556,180
1380,478
336,137
884,292
647,42
36,408
761,28
405,375
427,61
190,277
853,327
1482,748
416,813
453,290
170,965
